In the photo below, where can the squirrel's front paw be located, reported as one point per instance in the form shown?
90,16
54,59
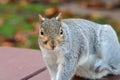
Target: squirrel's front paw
99,69
99,66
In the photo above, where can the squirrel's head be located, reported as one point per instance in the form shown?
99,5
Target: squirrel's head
51,33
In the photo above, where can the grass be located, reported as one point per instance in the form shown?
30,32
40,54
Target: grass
16,17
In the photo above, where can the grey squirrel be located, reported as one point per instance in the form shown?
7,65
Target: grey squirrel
78,47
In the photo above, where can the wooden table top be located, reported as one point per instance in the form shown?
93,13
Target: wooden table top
26,64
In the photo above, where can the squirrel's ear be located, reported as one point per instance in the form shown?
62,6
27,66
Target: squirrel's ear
41,18
59,17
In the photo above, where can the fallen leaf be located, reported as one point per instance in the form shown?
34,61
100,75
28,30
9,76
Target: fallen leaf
50,12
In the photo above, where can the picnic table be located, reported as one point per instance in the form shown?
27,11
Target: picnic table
27,64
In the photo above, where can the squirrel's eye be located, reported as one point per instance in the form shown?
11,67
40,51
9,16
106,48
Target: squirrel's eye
42,33
61,31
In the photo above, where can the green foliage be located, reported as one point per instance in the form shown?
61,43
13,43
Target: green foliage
7,30
34,7
119,38
34,39
101,20
17,17
26,27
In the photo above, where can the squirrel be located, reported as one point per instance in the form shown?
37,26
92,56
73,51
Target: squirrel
78,47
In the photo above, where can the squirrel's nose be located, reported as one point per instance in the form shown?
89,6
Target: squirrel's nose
52,45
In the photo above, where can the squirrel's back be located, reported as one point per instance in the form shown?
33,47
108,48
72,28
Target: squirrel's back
89,28
81,23
79,28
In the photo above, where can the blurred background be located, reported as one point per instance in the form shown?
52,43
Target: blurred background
19,18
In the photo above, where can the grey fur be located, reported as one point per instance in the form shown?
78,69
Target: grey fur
89,50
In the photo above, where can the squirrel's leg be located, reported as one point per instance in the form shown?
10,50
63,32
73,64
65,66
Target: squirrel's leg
52,71
51,66
105,39
99,66
66,67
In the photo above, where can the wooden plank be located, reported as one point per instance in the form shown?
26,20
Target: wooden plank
42,76
17,63
34,73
